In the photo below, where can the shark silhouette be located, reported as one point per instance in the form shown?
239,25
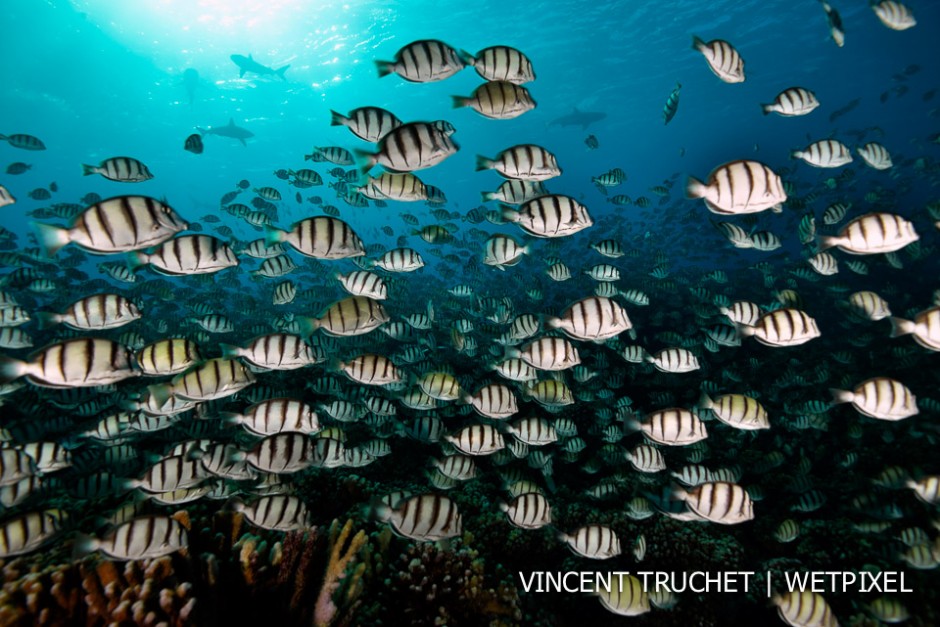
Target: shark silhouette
579,118
247,64
230,130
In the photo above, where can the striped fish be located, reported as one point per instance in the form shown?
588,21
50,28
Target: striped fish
400,260
146,537
497,100
722,58
782,327
627,596
515,191
548,353
121,169
608,248
597,542
284,293
925,327
459,467
368,123
23,141
737,410
674,360
646,458
550,393
672,104
494,401
423,61
215,378
881,398
552,215
115,225
275,351
279,512
835,24
413,146
401,186
370,369
440,385
355,315
215,323
363,283
870,305
804,609
283,453
871,234
477,440
187,254
875,156
719,501
176,472
501,251
603,272
98,312
835,212
533,431
824,263
792,102
927,489
14,338
168,356
528,511
740,187
672,427
526,162
516,370
595,318
893,14
27,532
501,63
320,237
826,153
15,465
82,362
425,517
329,154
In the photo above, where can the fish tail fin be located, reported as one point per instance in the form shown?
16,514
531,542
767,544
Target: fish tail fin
88,170
508,213
824,242
767,108
697,43
136,259
900,326
796,154
705,401
83,545
11,369
52,238
307,325
487,196
337,118
841,396
280,72
273,235
160,393
484,163
459,101
385,67
694,188
47,319
367,160
230,351
466,57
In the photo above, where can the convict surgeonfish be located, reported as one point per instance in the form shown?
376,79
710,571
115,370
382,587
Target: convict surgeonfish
413,146
826,153
550,216
782,327
722,59
595,319
82,362
368,123
501,63
740,187
881,398
893,14
526,162
321,237
791,102
425,517
146,537
119,224
423,61
672,104
871,234
498,100
120,169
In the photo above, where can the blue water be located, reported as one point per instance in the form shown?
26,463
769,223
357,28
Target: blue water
98,78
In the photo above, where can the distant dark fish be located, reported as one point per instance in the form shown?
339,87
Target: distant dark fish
591,142
912,69
928,95
835,115
193,144
18,167
244,184
26,142
40,194
579,118
229,130
247,64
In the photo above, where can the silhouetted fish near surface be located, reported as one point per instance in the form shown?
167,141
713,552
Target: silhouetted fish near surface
229,130
835,115
579,118
247,64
